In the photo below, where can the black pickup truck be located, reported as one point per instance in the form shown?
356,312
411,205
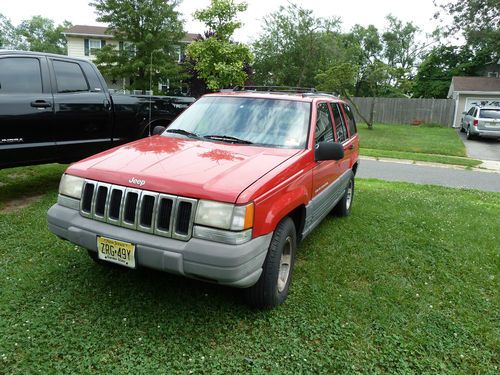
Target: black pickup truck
55,108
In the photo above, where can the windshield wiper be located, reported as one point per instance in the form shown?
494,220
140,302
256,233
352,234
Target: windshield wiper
227,138
183,132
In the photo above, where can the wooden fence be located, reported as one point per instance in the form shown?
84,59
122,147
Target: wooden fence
406,111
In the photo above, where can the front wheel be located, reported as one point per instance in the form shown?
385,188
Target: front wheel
272,288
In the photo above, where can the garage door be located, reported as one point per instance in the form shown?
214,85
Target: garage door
469,102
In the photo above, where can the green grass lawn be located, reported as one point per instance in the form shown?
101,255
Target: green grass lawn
423,143
406,284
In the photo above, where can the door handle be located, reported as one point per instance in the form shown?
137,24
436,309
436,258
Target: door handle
40,104
351,147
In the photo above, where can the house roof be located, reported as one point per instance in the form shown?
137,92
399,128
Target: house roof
104,32
472,85
86,30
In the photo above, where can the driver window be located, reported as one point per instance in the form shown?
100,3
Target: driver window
324,125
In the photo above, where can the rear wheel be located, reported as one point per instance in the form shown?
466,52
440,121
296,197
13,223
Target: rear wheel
469,134
343,208
272,288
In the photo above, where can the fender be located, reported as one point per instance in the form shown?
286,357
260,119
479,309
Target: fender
270,211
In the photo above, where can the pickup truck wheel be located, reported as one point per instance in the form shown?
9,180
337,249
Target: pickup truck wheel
272,288
343,208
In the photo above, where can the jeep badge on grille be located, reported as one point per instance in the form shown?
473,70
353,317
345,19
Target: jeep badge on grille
136,181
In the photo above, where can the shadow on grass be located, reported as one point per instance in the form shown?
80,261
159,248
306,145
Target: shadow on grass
17,183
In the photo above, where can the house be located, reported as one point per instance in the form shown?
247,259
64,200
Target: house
83,41
467,91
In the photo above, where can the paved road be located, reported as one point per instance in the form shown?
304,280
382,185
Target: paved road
482,148
451,177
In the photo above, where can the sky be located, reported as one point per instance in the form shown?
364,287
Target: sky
352,12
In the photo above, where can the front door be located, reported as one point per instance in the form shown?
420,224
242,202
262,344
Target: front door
326,172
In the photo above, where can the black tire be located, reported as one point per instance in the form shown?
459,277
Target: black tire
343,208
469,134
462,130
271,290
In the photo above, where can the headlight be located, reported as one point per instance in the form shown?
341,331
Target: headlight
224,215
71,186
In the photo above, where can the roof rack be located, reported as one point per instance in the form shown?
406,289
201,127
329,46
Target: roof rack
277,89
305,91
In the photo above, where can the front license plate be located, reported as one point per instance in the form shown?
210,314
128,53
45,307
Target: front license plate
115,251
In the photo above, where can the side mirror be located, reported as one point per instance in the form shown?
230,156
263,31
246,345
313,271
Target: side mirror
158,130
328,151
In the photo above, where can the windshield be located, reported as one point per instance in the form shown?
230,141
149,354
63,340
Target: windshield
490,113
269,122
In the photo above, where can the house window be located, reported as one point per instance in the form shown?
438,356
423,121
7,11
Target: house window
94,45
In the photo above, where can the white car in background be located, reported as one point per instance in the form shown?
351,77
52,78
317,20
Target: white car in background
481,121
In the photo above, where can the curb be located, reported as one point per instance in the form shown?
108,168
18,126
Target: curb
487,166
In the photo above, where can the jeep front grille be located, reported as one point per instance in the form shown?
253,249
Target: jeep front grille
147,211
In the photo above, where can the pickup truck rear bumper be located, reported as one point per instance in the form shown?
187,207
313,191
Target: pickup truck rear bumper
234,265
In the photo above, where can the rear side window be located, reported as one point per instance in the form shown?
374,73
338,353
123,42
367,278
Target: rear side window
490,113
351,122
324,125
340,127
69,77
20,75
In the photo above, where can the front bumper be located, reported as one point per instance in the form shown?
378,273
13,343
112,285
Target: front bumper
233,265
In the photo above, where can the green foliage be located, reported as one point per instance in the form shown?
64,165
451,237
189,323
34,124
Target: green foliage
293,45
478,20
439,66
36,34
217,60
7,33
404,285
42,35
148,29
221,17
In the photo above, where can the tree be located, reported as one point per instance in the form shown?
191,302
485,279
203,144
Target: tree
147,32
440,65
478,20
42,35
293,46
7,33
217,60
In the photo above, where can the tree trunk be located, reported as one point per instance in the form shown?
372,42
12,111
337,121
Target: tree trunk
369,122
372,111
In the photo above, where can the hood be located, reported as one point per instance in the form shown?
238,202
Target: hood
190,168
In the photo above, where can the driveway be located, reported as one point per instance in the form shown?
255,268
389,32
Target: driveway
482,148
433,175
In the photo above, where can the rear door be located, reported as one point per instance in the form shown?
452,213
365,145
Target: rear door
342,136
83,112
26,111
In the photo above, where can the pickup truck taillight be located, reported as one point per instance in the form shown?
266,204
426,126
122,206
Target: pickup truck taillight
475,122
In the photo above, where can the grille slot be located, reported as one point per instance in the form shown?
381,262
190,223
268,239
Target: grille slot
183,218
147,207
130,207
147,211
88,193
115,203
164,214
100,202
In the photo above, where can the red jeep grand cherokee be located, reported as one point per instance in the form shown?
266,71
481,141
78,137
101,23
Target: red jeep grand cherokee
223,195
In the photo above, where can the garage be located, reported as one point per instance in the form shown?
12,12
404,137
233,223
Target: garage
468,91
